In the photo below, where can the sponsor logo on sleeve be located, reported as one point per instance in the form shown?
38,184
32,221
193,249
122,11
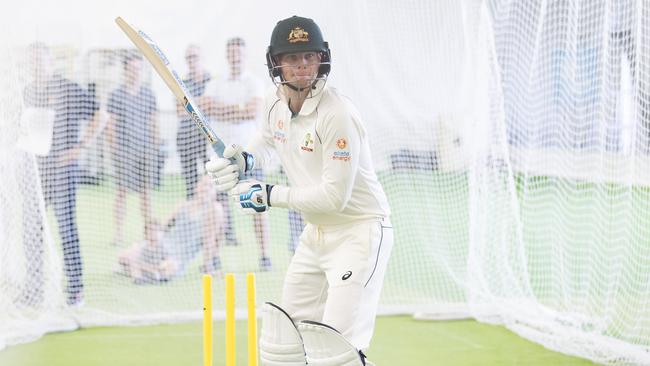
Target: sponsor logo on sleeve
342,154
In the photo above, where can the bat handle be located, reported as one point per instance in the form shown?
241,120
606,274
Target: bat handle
218,147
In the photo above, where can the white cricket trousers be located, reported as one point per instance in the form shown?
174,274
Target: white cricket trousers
336,276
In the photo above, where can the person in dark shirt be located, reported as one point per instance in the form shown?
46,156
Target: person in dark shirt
135,143
59,168
190,141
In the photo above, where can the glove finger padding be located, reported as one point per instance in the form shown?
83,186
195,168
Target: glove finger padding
232,150
216,164
226,182
223,172
234,153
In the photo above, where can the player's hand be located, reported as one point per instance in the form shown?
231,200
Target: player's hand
225,172
252,196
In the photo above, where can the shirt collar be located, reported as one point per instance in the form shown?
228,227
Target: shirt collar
310,103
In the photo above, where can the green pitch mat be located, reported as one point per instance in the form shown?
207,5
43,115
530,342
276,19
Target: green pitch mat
399,341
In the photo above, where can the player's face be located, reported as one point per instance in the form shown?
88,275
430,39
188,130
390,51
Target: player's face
301,68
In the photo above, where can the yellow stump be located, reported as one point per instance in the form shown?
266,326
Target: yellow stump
252,320
230,319
207,320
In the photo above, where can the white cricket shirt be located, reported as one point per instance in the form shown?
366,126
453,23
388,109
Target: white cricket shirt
325,153
235,91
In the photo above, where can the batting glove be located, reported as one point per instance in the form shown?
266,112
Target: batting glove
226,171
252,196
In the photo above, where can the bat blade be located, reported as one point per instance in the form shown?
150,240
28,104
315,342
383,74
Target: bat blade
160,63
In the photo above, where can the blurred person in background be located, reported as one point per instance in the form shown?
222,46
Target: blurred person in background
235,103
190,141
63,105
134,138
195,225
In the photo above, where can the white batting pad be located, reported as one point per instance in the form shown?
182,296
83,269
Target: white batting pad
325,346
280,341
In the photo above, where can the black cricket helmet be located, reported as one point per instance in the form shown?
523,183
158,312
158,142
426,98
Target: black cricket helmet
297,34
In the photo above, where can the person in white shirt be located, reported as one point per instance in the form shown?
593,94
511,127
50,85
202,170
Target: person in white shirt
235,102
336,274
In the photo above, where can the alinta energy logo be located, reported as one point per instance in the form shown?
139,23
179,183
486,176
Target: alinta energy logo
343,155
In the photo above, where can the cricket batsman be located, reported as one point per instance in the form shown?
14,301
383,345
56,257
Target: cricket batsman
332,287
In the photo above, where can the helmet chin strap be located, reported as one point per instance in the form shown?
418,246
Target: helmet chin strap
299,90
312,86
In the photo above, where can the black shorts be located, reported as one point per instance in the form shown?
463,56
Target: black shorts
139,173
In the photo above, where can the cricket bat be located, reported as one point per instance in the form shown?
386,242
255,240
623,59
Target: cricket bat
161,64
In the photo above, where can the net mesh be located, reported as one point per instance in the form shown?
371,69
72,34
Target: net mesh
512,140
